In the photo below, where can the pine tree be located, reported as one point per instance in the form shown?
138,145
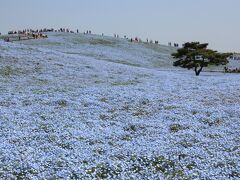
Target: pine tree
194,55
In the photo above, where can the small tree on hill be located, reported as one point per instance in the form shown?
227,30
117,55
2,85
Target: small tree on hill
195,56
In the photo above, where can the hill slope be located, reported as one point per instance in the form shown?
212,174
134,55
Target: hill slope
109,49
77,106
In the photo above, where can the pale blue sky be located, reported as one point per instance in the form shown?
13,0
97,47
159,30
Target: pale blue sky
213,21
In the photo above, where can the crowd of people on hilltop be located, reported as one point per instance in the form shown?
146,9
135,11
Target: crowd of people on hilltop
67,30
136,39
139,40
235,56
25,31
39,34
152,42
174,44
87,32
36,34
228,70
45,30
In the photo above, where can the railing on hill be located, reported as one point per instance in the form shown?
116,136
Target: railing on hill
22,37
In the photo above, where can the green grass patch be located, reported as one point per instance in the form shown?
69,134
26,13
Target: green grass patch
102,42
127,63
176,127
7,71
139,165
62,103
125,83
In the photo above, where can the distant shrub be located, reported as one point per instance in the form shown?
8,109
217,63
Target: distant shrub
62,103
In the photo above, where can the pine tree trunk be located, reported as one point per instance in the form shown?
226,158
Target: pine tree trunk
198,71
